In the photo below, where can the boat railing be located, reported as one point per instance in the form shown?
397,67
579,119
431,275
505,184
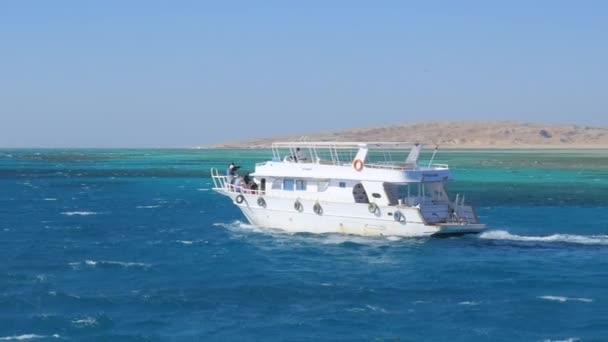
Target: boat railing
224,183
405,167
440,166
384,166
390,166
219,181
338,153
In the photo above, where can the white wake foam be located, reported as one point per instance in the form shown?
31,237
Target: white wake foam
325,238
338,239
239,225
567,238
25,337
563,299
570,339
79,213
147,206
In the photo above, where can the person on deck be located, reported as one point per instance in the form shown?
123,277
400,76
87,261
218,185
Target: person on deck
238,183
299,155
231,172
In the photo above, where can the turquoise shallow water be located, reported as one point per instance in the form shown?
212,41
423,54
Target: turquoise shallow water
131,245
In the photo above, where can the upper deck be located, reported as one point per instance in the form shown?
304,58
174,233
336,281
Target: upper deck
368,161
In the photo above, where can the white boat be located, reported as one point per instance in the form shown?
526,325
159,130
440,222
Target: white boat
370,189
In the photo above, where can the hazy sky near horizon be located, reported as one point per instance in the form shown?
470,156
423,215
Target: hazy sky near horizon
185,73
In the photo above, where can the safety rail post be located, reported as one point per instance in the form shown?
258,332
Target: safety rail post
219,182
433,156
275,152
213,176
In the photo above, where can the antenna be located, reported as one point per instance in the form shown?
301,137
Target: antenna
433,156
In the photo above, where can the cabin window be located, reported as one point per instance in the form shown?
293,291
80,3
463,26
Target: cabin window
322,185
403,191
288,184
300,185
276,184
263,184
342,184
376,195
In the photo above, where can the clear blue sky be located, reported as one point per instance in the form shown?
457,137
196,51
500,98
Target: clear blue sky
185,73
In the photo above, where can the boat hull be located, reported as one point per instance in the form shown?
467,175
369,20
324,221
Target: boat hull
343,218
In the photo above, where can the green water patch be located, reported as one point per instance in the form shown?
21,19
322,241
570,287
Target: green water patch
531,194
524,159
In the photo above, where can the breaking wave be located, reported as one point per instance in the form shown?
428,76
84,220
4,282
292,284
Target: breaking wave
85,322
93,263
565,238
471,303
563,299
26,337
78,213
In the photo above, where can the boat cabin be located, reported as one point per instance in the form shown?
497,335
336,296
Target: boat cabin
383,173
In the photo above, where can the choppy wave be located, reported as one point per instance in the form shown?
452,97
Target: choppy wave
471,303
376,308
79,213
570,339
94,263
369,308
565,238
192,242
25,337
566,299
85,322
147,206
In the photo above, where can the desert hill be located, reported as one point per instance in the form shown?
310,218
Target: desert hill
460,135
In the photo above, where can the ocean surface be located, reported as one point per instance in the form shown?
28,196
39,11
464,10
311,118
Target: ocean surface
131,245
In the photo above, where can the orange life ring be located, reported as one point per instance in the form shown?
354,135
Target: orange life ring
358,165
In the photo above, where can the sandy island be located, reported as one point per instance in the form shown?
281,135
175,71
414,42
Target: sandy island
459,135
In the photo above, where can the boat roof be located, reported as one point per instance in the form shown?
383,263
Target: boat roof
395,162
346,144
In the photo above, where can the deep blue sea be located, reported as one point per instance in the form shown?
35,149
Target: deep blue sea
131,245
